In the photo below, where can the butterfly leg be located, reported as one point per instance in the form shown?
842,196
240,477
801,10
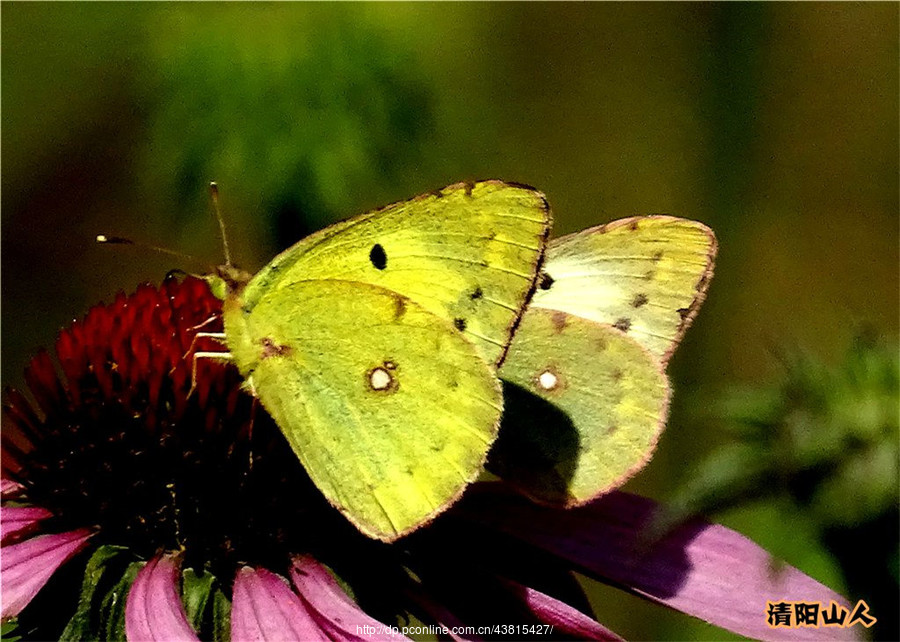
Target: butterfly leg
218,356
215,336
211,319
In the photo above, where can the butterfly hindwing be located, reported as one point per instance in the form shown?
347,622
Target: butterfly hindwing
468,253
390,409
645,275
585,406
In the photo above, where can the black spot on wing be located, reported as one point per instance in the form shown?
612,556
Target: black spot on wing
477,293
378,257
623,324
657,256
547,281
639,300
460,324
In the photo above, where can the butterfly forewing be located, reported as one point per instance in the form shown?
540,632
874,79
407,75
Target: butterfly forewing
468,253
647,276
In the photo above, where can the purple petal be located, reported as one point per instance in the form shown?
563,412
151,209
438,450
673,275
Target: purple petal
9,488
563,617
265,608
153,611
26,566
702,569
335,611
19,520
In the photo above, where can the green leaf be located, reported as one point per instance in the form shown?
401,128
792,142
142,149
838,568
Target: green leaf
82,626
221,617
207,608
112,610
9,631
195,590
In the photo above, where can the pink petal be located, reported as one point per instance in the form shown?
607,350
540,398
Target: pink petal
26,566
153,611
702,569
9,488
19,520
265,608
564,618
335,611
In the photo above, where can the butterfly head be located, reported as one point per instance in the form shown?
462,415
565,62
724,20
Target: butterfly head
227,281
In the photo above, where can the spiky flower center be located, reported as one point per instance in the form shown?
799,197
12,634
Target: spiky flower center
122,443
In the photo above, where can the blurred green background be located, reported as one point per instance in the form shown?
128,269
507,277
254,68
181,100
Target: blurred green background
776,124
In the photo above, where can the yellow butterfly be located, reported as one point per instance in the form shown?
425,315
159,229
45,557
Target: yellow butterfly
584,380
374,343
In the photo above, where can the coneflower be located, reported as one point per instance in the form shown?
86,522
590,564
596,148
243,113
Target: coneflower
134,507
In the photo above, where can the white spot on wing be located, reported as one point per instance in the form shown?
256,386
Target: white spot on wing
548,380
380,379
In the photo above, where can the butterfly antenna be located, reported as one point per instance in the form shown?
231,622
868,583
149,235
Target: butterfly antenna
121,240
214,192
